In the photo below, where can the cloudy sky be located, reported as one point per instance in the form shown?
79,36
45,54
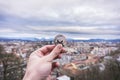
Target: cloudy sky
78,19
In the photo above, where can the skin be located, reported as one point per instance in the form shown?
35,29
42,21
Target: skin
40,64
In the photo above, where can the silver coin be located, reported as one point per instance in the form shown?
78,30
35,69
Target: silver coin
60,39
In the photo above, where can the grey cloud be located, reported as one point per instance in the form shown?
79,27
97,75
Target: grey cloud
53,15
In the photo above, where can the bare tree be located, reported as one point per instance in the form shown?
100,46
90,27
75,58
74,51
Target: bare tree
12,69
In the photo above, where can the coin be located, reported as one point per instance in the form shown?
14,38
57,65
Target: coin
60,39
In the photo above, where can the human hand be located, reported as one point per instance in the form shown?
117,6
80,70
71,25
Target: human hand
40,63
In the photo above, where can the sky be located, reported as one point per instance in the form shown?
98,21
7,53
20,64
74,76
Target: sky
77,19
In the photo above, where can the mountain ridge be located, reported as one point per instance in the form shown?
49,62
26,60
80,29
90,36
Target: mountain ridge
51,39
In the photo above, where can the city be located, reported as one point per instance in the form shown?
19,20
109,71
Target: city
80,56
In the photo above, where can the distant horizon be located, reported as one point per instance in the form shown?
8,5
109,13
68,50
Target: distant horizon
53,38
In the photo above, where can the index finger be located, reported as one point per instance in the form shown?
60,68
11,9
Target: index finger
47,48
43,50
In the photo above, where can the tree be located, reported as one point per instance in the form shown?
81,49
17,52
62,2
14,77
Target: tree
12,69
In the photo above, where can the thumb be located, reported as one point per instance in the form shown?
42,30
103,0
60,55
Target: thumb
54,53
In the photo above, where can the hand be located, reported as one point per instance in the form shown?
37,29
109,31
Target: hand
40,63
